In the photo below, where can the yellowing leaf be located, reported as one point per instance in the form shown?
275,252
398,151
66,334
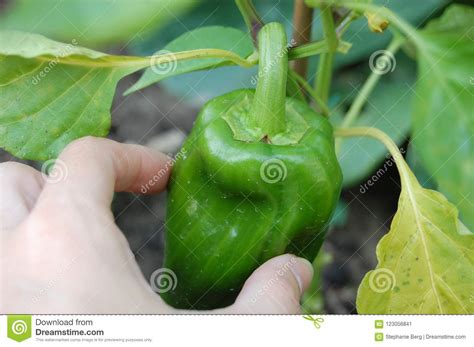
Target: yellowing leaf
426,261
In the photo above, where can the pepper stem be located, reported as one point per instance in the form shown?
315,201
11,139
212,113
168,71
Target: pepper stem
268,106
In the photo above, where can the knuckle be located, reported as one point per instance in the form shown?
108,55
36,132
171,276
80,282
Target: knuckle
83,146
20,178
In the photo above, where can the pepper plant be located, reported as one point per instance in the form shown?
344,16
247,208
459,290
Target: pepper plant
259,174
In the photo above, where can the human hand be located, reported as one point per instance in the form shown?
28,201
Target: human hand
61,251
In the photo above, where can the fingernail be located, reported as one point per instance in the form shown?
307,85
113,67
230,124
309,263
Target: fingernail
302,269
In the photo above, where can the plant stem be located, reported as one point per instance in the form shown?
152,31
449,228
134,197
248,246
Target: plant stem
375,133
398,22
367,88
328,27
251,17
346,22
315,48
302,22
319,103
324,74
293,88
323,77
268,105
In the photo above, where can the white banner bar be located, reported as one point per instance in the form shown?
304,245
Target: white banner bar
217,330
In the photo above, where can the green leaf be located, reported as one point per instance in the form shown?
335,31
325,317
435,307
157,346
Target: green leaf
426,261
218,37
92,22
52,93
388,108
443,121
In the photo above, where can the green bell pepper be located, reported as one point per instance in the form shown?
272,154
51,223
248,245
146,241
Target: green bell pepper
258,177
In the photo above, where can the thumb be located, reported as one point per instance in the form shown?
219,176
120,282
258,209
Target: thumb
276,286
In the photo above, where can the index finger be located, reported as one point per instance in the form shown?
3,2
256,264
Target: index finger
93,168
